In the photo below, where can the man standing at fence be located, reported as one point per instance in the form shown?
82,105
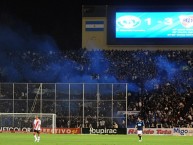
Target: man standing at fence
140,126
37,128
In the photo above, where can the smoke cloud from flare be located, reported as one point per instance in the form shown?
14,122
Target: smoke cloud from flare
23,59
19,48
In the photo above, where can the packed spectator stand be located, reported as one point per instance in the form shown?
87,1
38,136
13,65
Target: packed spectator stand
164,80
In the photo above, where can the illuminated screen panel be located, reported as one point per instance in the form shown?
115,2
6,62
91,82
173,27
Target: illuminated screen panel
154,25
149,25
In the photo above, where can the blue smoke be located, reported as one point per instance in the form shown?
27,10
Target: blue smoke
132,87
19,46
166,68
166,72
98,63
18,42
151,84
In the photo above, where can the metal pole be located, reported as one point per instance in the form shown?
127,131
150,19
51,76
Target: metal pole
41,98
27,98
69,105
98,95
55,100
13,104
13,98
83,119
126,105
112,104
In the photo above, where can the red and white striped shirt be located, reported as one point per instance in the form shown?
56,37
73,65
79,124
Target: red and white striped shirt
37,124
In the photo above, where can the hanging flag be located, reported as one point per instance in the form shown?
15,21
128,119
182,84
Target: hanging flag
94,25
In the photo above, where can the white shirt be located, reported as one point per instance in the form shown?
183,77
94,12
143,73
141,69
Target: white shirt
37,124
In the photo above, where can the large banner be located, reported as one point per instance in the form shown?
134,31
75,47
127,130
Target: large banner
148,131
152,131
104,130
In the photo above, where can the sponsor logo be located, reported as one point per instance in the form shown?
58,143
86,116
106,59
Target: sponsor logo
103,131
24,129
161,131
180,131
128,22
62,130
151,131
186,20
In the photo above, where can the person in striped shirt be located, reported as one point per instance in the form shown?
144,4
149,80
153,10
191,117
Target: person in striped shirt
37,128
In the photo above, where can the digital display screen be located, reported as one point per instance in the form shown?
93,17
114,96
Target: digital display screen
154,24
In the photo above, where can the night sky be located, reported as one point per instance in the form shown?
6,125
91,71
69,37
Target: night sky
59,19
53,17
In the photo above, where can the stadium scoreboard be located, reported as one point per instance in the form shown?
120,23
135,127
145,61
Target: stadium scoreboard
148,25
135,27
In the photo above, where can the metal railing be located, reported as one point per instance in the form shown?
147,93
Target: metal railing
76,104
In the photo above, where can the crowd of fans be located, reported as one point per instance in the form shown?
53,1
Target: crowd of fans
159,86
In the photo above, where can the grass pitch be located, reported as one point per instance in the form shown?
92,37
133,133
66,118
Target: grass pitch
61,139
